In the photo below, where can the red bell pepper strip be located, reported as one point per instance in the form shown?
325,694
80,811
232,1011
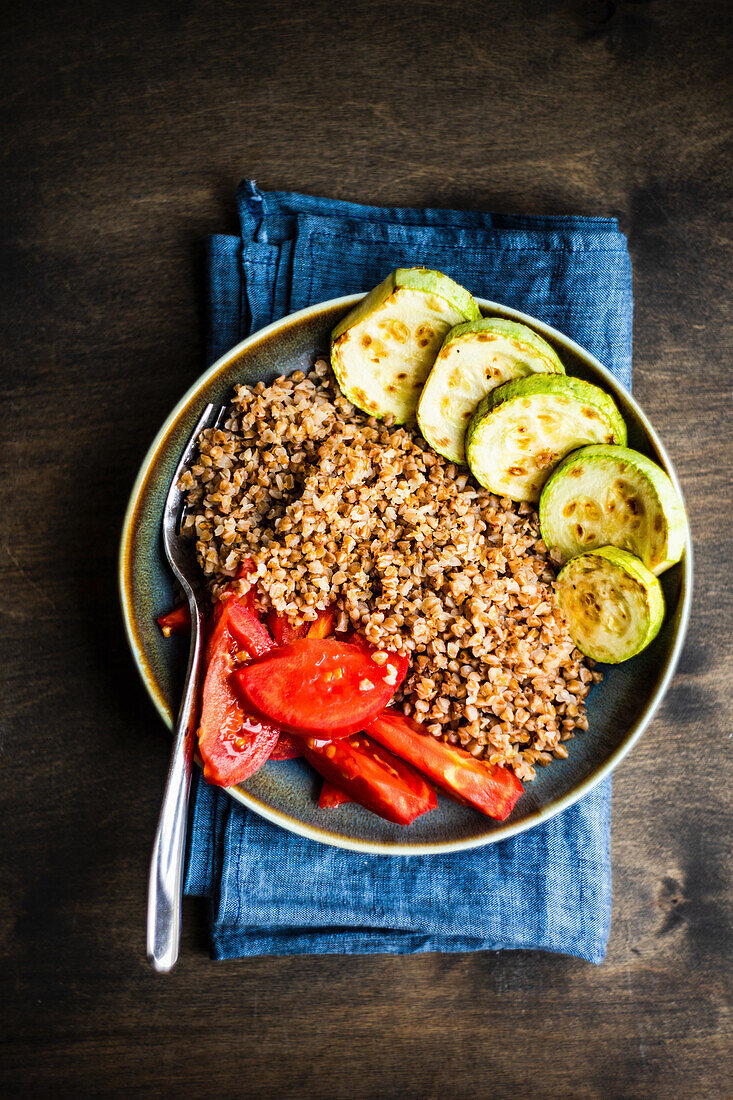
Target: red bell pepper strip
320,687
177,621
287,748
372,776
233,742
281,630
489,788
331,796
323,625
248,631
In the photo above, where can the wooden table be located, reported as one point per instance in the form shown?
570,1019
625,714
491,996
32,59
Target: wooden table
125,131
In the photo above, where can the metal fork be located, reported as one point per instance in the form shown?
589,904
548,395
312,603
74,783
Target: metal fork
166,866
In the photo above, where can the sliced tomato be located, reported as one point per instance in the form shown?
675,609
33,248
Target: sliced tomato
233,742
331,796
247,630
281,630
320,687
177,621
372,776
323,625
489,788
287,748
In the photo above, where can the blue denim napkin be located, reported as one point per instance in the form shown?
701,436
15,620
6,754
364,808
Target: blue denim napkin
275,893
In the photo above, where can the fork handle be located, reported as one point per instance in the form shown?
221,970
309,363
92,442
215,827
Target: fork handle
166,866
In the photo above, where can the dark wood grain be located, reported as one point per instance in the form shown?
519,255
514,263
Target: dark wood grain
125,129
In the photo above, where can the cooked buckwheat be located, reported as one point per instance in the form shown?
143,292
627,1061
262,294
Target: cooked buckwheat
337,508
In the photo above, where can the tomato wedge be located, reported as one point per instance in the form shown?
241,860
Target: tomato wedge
248,631
331,796
372,776
287,748
489,788
320,687
176,621
233,743
281,630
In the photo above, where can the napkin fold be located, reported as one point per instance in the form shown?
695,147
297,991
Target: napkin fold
272,892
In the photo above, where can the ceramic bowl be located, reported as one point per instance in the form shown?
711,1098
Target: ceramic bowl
619,709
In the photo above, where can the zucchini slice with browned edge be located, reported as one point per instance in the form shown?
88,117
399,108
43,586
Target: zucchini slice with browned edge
613,496
613,604
475,358
522,429
382,351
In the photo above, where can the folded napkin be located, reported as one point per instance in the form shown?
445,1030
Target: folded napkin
275,893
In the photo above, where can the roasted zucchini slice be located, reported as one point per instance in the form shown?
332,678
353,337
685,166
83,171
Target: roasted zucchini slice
613,496
475,358
382,351
613,604
522,429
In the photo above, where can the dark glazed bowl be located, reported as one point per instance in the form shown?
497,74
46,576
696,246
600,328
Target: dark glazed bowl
286,792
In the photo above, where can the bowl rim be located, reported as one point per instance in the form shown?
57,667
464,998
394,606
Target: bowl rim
325,836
